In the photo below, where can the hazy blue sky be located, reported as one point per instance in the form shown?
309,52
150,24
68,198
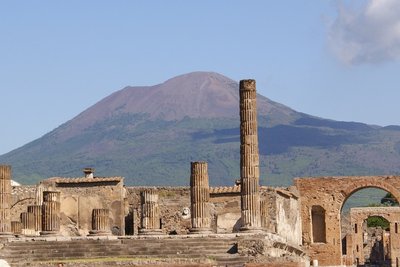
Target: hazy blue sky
333,59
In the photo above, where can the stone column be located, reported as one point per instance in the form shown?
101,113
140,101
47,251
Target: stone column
16,227
36,210
249,159
264,214
199,198
39,194
50,213
5,200
100,222
150,220
28,224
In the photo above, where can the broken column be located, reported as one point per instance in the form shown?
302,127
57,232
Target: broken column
36,210
150,220
199,197
16,227
50,213
249,158
100,222
28,224
5,200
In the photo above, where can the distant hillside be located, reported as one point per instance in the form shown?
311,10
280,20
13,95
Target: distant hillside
149,135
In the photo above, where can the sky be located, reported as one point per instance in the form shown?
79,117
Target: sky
333,59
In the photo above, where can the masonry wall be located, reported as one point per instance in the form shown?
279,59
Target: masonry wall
78,200
174,203
329,193
21,198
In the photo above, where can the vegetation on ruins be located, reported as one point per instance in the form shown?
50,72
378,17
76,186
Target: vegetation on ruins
377,221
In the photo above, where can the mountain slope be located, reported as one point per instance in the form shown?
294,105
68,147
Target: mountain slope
150,134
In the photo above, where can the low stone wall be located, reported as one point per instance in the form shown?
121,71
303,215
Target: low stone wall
78,200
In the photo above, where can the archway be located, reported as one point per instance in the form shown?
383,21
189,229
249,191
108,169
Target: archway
331,193
371,245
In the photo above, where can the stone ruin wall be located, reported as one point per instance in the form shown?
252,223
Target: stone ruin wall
77,204
324,197
21,198
284,213
78,201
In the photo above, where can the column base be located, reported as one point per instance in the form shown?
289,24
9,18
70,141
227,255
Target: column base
49,233
249,229
6,235
200,231
150,232
99,233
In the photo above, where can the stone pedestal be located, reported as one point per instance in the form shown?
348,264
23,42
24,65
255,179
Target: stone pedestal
199,198
100,222
5,201
50,213
36,210
249,158
150,219
16,227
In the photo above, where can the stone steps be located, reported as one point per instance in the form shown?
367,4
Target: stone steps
190,248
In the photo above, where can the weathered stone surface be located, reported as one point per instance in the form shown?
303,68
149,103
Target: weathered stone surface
5,200
150,219
357,248
16,227
100,222
328,194
36,210
79,196
199,198
50,213
249,157
28,223
228,222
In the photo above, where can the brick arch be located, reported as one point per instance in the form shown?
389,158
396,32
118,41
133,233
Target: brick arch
331,193
369,183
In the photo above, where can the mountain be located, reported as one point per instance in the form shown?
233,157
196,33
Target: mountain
150,134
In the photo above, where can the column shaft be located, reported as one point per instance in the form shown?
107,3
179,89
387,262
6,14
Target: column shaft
16,227
100,222
36,210
5,200
249,157
50,213
150,220
28,224
199,198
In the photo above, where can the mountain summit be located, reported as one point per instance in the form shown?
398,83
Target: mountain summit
193,95
150,134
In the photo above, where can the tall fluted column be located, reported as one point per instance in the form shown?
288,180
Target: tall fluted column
199,197
5,200
50,213
100,222
249,158
28,224
36,210
150,220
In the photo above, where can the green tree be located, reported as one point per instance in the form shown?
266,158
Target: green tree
389,200
376,221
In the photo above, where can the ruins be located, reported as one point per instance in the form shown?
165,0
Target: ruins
63,219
